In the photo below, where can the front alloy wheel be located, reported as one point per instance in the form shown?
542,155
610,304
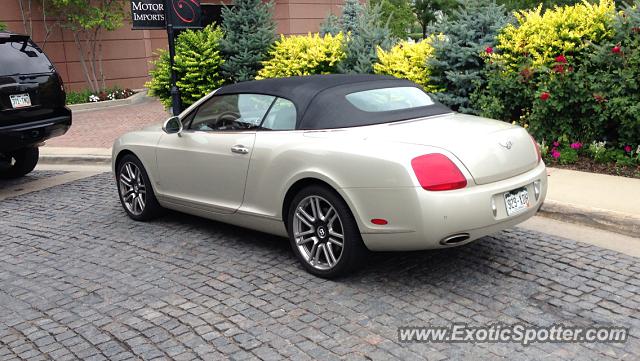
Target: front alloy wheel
135,191
323,232
132,188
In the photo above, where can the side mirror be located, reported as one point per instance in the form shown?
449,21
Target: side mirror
172,125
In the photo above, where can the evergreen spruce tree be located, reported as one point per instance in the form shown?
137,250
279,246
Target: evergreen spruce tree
457,64
351,13
249,32
370,31
330,25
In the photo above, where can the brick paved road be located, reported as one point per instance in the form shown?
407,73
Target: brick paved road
99,128
78,279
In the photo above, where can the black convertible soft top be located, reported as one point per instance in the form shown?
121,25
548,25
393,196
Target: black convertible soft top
321,103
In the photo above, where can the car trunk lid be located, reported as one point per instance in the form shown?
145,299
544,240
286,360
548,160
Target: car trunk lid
491,150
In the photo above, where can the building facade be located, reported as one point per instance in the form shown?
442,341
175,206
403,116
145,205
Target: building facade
127,53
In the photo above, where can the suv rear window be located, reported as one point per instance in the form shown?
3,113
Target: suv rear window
20,56
387,99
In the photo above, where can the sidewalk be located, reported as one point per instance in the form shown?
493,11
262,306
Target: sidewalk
99,128
596,200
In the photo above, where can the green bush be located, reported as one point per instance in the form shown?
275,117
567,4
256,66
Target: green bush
78,97
87,96
407,60
3,26
457,64
249,32
304,55
575,76
399,14
197,64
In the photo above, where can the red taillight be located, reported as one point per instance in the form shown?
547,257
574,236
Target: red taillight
436,172
535,144
60,82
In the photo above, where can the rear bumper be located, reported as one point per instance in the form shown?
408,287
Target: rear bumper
22,135
419,219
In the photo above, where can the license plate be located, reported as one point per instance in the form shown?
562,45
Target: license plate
516,201
20,100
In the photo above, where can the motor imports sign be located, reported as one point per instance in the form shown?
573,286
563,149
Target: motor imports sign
148,14
154,14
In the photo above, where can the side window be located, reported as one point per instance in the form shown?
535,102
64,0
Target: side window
282,116
232,112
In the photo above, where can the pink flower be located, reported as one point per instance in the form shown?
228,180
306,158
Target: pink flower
561,59
627,148
555,154
576,145
489,50
556,144
616,49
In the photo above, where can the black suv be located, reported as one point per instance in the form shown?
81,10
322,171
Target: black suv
32,104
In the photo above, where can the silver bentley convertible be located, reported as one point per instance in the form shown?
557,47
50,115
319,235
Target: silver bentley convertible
340,164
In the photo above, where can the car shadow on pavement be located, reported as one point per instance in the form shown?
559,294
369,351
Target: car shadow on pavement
378,266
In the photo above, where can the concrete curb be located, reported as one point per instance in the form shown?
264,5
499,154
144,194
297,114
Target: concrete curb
75,156
607,220
75,159
137,98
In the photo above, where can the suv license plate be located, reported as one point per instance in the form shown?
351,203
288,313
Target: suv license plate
20,100
516,201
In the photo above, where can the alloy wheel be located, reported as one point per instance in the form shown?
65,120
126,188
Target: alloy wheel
132,188
318,232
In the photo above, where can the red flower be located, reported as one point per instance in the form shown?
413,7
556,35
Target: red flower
627,149
599,98
558,68
544,96
616,49
561,59
489,50
526,73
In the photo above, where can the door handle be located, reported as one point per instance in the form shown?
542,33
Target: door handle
240,149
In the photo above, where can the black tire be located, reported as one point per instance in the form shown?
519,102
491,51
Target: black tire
151,208
21,162
353,250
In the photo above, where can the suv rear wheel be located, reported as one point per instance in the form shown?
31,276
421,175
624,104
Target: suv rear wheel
19,162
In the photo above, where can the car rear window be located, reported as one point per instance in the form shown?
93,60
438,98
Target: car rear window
22,57
388,99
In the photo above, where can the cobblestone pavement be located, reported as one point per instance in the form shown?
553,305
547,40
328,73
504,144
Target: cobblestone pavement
99,128
33,176
78,279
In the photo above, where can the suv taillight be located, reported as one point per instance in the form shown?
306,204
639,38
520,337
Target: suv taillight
436,172
60,81
535,144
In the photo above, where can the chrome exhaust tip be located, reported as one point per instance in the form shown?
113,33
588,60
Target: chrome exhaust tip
454,239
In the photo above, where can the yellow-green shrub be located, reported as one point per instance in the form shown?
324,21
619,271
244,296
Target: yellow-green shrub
540,37
303,55
407,60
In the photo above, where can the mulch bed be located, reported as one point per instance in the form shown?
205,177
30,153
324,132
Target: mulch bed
585,164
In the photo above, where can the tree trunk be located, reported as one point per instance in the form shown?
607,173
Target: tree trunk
83,62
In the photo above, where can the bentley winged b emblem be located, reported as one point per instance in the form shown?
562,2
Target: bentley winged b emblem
507,144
